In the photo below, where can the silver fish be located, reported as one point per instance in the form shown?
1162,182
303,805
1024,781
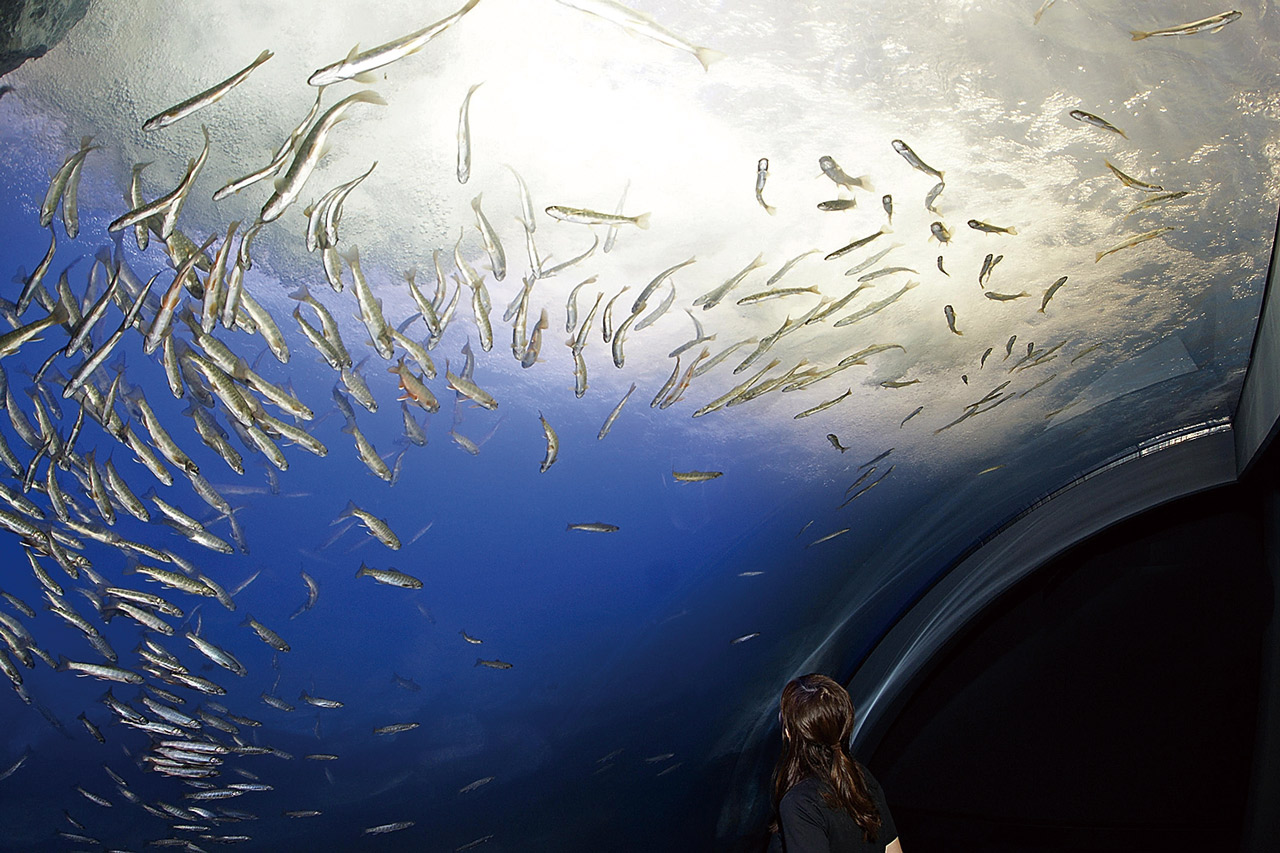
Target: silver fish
835,173
641,24
857,244
1096,121
762,175
359,64
613,416
205,98
464,137
309,152
916,163
1205,25
950,314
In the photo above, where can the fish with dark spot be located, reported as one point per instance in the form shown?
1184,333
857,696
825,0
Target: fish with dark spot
835,173
916,163
950,314
835,442
1096,121
932,196
988,228
887,202
940,232
940,269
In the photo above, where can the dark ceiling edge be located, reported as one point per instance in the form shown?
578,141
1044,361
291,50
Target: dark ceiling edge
1120,490
888,676
1257,417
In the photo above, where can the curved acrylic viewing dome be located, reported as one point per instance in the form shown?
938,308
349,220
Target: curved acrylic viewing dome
844,288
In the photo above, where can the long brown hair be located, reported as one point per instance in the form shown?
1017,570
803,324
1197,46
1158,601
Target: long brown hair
817,719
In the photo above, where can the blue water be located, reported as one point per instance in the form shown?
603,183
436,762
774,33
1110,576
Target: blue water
629,719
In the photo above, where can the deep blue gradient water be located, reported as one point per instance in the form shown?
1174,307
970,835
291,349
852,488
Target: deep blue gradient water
638,709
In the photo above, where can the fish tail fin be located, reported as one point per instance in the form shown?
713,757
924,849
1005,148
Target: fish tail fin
864,181
707,56
369,96
302,294
642,221
1012,230
63,664
60,313
1138,35
362,571
478,662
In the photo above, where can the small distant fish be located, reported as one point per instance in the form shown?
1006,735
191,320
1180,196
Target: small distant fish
594,527
744,638
471,845
464,137
390,577
829,537
823,406
840,204
1053,288
986,270
1004,297
896,384
613,415
695,476
1044,7
835,173
1133,182
384,828
982,361
1205,25
835,442
467,789
319,701
916,163
470,639
940,232
918,410
553,444
583,216
395,728
883,271
887,202
1096,121
405,683
932,196
1155,200
940,269
493,664
762,174
987,228
857,244
1008,347
1133,241
950,314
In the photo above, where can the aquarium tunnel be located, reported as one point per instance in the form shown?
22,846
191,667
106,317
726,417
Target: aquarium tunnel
448,425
